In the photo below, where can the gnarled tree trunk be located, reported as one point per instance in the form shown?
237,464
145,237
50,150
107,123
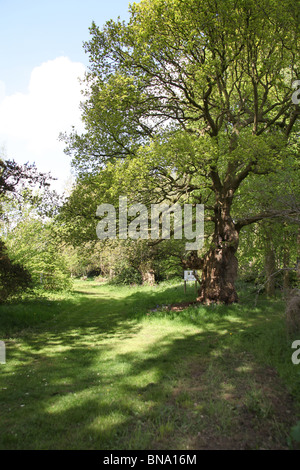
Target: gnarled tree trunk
220,265
218,276
147,273
298,255
270,267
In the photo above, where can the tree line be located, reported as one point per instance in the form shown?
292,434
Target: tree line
191,103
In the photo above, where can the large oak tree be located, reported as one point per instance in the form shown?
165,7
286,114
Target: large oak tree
191,98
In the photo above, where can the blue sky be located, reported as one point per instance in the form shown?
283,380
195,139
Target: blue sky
41,56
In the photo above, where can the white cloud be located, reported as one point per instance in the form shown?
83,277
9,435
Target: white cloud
30,123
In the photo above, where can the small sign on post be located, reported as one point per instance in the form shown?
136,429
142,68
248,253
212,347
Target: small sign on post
188,277
2,353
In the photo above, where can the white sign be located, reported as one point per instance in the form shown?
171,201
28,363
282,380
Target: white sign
189,276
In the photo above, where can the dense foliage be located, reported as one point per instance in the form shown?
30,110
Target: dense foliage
191,102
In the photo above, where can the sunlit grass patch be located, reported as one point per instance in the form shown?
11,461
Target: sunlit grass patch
112,368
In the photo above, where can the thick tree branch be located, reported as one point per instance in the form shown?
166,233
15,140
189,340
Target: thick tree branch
240,223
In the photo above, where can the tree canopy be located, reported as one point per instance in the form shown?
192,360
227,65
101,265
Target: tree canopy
186,102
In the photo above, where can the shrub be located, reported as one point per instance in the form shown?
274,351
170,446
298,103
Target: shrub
14,278
127,275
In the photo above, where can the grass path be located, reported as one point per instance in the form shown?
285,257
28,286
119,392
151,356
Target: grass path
110,368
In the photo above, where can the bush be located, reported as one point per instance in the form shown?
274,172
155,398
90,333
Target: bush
55,281
127,275
14,278
33,244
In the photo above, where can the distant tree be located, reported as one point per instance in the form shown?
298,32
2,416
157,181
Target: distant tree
24,184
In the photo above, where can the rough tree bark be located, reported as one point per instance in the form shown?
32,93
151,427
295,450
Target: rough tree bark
147,273
298,254
286,261
270,268
219,265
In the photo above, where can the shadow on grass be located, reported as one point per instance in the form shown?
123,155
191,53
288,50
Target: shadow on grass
105,310
70,385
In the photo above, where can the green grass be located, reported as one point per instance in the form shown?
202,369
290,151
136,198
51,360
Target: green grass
108,367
